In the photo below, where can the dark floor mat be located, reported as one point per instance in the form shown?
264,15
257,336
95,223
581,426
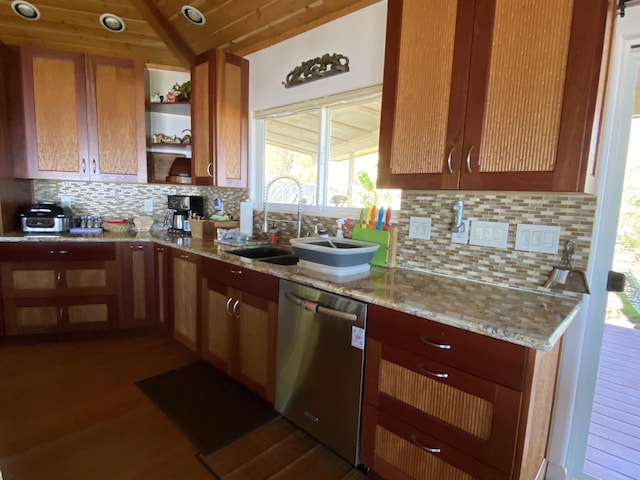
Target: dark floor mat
210,408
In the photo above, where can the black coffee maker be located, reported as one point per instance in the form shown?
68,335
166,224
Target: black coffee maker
181,207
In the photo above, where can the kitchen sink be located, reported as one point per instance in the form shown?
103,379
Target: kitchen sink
278,255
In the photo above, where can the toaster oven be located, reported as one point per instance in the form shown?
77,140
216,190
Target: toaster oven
46,217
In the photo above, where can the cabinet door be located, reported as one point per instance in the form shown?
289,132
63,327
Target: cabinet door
532,94
116,120
220,112
184,296
217,308
138,308
161,286
56,143
254,330
427,56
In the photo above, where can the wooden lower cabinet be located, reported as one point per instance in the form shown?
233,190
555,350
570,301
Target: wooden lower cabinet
430,411
184,271
161,286
138,306
239,314
58,287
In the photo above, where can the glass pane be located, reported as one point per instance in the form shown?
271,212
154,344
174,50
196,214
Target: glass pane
292,150
353,159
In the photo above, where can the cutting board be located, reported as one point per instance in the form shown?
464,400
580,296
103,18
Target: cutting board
385,256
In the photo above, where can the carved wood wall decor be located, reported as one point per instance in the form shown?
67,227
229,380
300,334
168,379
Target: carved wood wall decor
317,68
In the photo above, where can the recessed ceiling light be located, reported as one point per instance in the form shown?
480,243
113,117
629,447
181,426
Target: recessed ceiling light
25,10
193,15
112,22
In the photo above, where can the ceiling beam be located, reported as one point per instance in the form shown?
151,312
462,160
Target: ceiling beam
162,27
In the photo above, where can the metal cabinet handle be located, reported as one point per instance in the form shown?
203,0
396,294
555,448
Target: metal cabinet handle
184,256
159,249
60,314
453,149
471,149
236,314
58,252
210,169
432,374
227,308
414,439
83,165
59,276
236,271
94,165
442,346
134,247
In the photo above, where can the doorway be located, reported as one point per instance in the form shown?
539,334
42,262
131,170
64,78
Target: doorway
613,444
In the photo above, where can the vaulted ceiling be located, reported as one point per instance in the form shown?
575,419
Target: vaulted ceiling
157,32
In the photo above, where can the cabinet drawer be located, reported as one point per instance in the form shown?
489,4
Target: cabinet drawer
55,315
495,360
234,276
54,251
479,417
396,450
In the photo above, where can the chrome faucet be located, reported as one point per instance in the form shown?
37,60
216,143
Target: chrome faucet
265,224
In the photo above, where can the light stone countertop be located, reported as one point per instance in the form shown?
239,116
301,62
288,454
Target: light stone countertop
525,318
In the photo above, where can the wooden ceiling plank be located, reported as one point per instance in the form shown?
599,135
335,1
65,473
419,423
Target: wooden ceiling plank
276,21
163,28
156,54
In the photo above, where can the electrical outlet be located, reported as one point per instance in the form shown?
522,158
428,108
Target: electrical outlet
148,205
537,238
420,228
65,200
461,237
489,234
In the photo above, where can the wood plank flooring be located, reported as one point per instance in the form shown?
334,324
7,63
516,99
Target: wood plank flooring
613,451
71,411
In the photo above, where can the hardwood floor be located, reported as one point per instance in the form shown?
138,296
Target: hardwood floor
71,411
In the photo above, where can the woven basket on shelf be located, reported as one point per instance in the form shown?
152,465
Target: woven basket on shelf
116,227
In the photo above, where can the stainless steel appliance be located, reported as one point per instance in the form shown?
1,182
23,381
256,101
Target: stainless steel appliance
319,365
46,217
186,204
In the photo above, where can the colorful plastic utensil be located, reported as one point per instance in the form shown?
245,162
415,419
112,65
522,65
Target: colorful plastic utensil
380,217
387,219
372,218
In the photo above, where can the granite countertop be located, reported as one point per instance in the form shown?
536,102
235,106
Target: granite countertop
522,317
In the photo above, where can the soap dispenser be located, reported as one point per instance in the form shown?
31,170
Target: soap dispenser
342,222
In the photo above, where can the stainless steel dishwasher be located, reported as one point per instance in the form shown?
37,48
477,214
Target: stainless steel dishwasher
319,365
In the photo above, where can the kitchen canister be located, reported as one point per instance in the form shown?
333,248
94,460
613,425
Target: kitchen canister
246,218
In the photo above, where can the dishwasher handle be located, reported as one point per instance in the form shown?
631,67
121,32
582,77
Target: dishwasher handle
315,307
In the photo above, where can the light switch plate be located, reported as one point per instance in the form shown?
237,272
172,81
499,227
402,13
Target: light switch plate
148,205
420,228
489,234
537,238
65,200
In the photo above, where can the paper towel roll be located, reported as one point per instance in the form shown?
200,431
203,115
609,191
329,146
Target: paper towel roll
246,218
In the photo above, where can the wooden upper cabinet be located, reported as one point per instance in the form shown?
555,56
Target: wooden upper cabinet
220,119
116,115
84,117
490,94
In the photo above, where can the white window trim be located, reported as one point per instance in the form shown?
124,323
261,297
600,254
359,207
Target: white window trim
258,138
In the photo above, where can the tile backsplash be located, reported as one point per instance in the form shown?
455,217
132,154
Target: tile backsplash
573,212
126,200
